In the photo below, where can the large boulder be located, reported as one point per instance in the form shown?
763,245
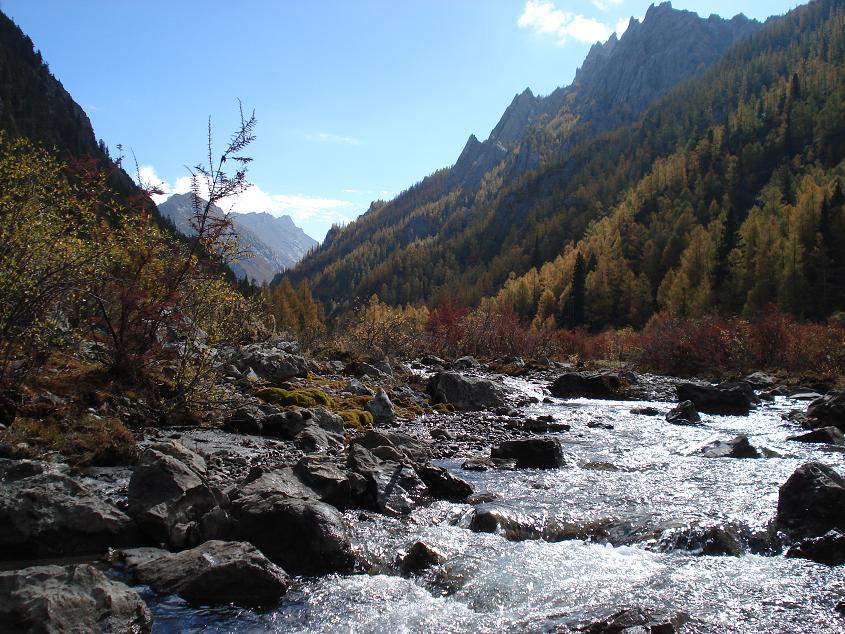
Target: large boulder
683,414
392,488
515,526
168,499
539,453
381,408
828,411
272,362
726,398
304,536
587,384
314,439
635,620
326,479
811,502
177,450
213,573
465,393
49,514
738,447
53,599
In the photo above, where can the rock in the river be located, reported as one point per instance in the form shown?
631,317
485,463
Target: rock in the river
683,414
168,499
52,599
646,411
491,518
738,447
381,408
634,620
392,488
419,557
828,411
442,484
465,393
811,502
828,549
828,435
304,536
213,573
726,398
49,514
270,361
721,539
539,453
587,384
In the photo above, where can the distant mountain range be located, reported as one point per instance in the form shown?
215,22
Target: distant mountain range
280,246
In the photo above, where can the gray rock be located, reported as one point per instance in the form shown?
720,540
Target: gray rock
646,411
539,453
466,363
465,393
431,360
245,420
184,455
738,447
828,411
683,414
213,573
828,435
359,389
328,480
167,499
587,384
634,620
326,419
313,439
53,599
271,362
282,481
304,536
726,398
391,488
760,380
381,408
811,502
286,424
411,448
48,514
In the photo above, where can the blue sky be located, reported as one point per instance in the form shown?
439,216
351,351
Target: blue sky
356,99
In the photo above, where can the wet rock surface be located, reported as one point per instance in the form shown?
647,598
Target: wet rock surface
46,599
736,398
739,447
213,573
539,453
811,502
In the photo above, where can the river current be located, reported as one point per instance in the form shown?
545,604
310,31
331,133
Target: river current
610,529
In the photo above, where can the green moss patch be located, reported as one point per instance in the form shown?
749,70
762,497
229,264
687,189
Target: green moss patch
298,397
356,418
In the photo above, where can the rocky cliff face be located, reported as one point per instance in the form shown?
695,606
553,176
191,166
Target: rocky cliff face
281,245
616,82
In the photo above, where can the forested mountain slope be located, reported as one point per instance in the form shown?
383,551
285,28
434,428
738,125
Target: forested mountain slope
414,232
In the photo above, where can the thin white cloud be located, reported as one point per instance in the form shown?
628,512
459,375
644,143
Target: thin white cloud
325,137
150,180
351,191
606,5
544,17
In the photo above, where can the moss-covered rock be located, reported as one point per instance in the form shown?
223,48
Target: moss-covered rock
299,397
357,418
